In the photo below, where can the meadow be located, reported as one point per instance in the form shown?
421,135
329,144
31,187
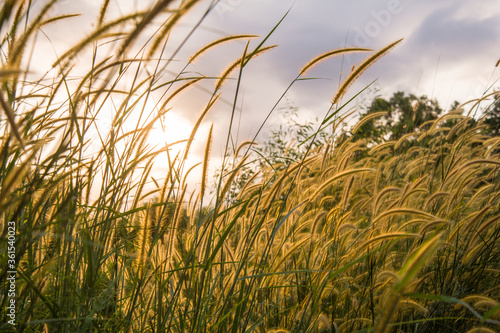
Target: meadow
355,235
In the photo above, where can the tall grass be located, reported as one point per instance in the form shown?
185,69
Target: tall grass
353,237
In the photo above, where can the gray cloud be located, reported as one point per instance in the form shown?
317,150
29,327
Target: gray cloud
449,50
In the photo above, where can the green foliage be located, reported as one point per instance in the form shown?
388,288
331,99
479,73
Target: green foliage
492,117
405,114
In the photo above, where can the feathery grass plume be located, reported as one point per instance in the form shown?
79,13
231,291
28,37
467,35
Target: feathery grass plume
317,218
198,123
492,144
404,211
19,44
366,119
475,299
403,139
11,118
409,305
232,175
204,172
142,243
326,55
392,275
179,90
244,144
479,161
338,176
290,251
346,226
435,196
347,190
481,330
377,181
344,161
410,269
461,126
317,247
417,260
410,193
387,236
7,72
324,323
432,132
381,146
480,229
479,101
379,197
360,69
457,114
432,224
325,200
58,18
325,156
408,224
472,253
414,169
95,35
7,10
184,7
102,12
340,120
237,63
218,42
475,218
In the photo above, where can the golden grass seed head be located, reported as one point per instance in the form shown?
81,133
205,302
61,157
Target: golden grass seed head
474,299
480,330
359,70
431,225
366,119
388,274
326,55
324,323
205,162
218,42
408,305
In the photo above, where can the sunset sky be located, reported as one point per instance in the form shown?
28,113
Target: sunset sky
449,51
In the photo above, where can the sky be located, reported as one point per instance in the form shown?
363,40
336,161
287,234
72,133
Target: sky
449,52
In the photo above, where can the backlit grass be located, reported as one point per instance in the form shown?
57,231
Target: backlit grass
355,236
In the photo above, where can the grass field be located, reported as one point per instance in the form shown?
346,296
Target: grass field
402,236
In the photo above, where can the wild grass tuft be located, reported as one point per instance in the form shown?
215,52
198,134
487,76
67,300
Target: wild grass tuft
350,236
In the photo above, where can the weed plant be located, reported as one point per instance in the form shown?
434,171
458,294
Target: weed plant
400,236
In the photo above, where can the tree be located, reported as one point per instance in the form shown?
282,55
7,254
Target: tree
405,114
492,117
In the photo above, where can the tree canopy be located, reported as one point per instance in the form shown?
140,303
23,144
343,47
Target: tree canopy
492,117
404,114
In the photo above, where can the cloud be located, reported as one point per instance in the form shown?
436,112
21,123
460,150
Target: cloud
443,32
448,48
